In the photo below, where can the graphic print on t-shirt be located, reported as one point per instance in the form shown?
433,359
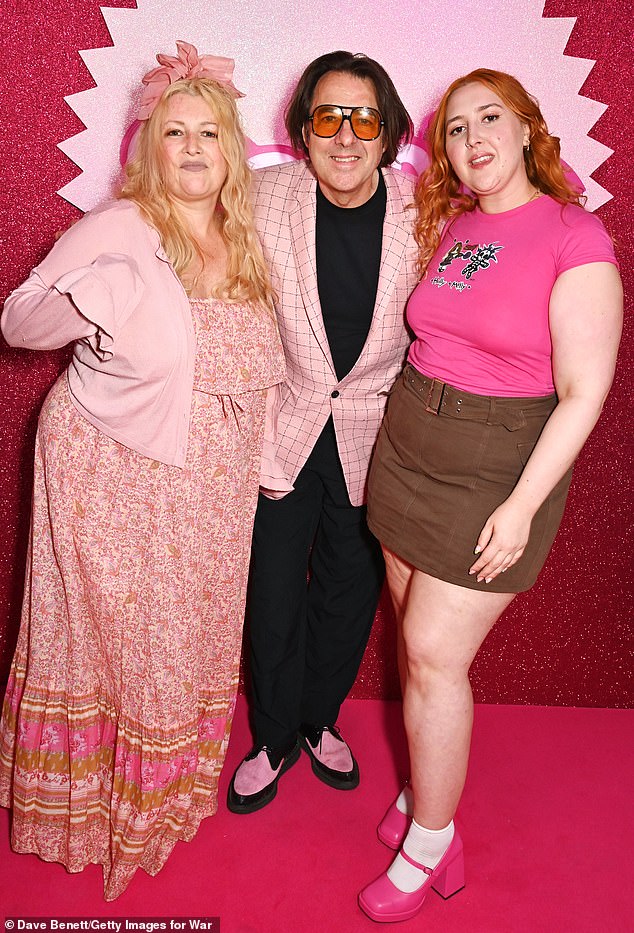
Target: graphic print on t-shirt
479,256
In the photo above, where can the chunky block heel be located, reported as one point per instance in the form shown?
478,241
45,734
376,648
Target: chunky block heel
450,879
383,902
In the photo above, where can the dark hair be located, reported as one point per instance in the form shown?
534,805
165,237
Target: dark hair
398,128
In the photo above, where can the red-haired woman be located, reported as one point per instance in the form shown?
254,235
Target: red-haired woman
519,292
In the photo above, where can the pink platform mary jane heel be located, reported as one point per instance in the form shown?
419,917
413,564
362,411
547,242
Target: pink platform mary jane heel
383,902
393,827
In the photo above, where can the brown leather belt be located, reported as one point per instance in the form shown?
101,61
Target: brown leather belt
440,398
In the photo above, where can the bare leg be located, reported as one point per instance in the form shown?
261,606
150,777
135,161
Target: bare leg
399,575
443,627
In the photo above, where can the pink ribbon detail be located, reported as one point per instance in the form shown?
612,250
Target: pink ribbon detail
188,64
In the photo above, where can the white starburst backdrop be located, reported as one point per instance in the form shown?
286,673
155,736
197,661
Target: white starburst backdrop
423,46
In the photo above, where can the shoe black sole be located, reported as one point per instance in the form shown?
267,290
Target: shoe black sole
327,775
249,803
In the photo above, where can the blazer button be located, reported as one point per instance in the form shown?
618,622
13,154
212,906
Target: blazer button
334,394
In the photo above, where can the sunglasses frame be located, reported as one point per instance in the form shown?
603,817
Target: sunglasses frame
348,117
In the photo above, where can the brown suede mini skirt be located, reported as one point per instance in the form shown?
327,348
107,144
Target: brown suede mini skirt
445,459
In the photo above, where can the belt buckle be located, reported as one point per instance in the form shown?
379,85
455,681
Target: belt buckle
434,396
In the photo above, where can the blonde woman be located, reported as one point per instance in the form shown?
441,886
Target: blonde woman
122,690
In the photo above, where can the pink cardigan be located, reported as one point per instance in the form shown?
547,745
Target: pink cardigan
108,286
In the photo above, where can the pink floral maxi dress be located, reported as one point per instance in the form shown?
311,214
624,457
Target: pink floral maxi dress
122,690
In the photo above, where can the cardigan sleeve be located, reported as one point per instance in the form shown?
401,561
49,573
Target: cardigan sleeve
85,302
83,289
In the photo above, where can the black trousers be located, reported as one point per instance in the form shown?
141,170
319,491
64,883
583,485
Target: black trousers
308,637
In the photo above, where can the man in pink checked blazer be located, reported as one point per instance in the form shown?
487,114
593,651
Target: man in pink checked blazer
337,234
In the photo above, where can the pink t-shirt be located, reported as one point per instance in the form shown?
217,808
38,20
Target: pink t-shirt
481,314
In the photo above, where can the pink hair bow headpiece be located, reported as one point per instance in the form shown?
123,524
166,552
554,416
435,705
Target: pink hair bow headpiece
187,64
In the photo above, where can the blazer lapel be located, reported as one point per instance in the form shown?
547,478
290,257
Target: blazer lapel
394,254
303,220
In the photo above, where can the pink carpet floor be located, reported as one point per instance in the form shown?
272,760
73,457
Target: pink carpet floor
546,818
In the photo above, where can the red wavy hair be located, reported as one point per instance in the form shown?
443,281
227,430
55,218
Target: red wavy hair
439,195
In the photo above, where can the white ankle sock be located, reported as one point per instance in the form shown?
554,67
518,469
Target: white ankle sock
425,846
405,801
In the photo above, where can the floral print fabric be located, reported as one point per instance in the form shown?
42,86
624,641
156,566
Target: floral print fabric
122,690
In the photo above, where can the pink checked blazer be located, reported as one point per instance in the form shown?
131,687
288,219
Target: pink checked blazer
285,208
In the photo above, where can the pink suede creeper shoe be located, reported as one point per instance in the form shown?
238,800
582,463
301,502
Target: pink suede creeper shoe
254,783
384,902
330,757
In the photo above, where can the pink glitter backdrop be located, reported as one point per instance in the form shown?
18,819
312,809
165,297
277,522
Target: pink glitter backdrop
566,642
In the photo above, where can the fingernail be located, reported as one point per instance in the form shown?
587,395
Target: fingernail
477,549
488,579
471,572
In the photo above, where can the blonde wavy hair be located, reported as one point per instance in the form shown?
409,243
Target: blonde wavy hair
247,276
439,196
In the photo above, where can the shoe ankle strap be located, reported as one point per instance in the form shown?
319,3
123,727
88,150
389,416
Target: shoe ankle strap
408,858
